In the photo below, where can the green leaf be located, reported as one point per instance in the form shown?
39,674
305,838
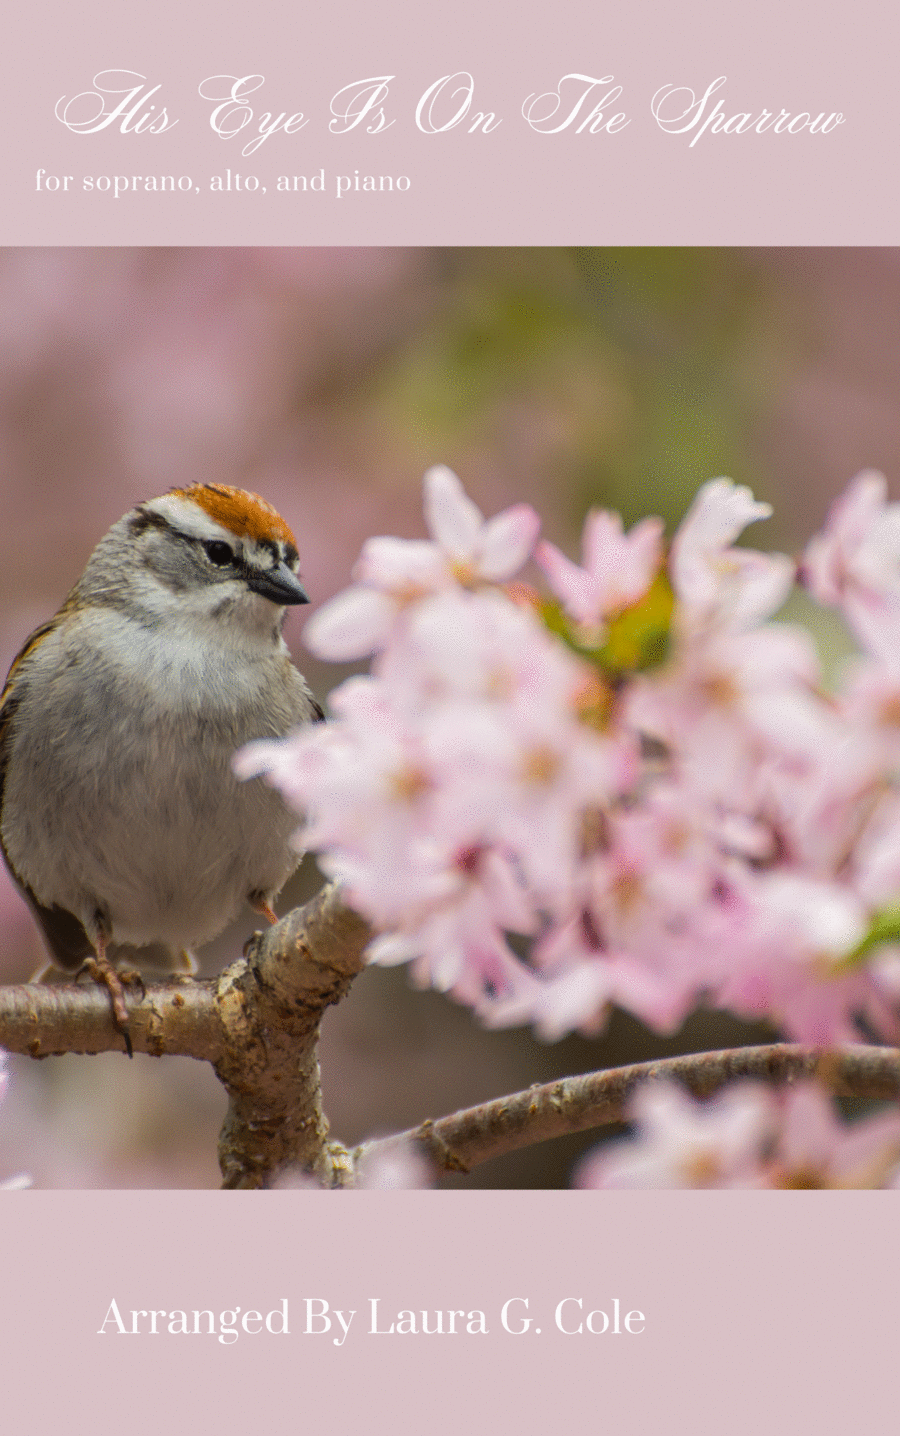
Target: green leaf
884,927
635,639
638,637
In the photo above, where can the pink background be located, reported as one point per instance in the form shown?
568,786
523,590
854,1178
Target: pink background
761,1311
509,187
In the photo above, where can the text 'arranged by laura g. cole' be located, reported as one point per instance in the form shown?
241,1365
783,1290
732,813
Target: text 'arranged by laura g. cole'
127,103
315,1316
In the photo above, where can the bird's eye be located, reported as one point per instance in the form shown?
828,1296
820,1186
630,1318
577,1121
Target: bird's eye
219,553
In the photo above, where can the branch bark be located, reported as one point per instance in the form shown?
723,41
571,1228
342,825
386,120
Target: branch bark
257,1023
596,1099
270,1007
177,1017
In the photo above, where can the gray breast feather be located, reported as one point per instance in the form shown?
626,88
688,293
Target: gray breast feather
112,806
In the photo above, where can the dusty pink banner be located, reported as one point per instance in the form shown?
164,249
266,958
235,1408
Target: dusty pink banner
625,1312
365,124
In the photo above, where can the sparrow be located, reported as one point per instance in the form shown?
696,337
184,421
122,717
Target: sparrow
121,820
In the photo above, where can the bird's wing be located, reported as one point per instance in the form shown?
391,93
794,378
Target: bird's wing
64,934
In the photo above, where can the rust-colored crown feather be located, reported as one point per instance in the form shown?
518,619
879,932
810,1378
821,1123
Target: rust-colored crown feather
245,514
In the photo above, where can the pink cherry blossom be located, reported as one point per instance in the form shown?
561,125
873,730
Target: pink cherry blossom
815,1148
479,648
854,564
466,549
546,842
476,548
716,584
683,1143
394,1165
859,545
618,568
747,1136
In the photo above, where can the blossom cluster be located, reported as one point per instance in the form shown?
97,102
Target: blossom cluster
748,1137
632,789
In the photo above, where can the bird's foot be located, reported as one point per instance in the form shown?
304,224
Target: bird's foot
258,903
102,971
130,977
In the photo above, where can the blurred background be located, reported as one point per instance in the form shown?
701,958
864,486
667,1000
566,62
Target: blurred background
328,381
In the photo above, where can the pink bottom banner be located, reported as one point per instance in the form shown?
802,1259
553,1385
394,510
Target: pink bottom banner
486,1311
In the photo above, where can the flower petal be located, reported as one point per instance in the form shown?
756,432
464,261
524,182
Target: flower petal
351,625
452,517
507,541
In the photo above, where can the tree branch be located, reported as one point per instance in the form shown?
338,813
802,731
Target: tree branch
578,1104
176,1018
271,1006
257,1023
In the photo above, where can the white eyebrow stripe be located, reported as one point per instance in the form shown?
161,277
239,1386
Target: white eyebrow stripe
190,519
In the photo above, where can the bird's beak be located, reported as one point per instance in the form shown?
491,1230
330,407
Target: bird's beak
278,585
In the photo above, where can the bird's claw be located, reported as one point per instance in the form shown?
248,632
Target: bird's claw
101,970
